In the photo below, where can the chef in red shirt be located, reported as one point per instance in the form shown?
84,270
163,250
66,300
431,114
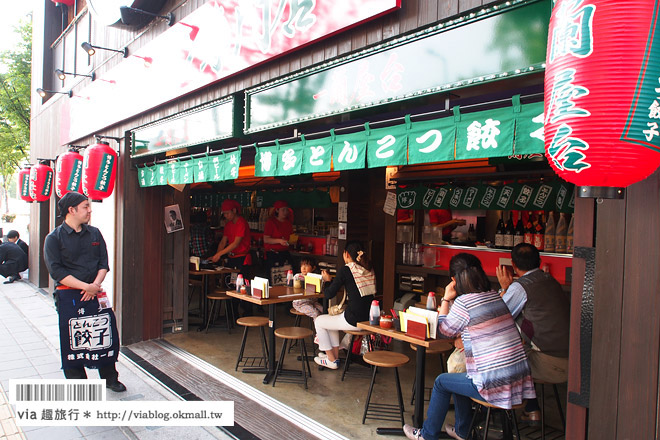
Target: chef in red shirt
235,243
277,231
442,218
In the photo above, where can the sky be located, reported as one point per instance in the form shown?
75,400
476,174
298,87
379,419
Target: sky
13,12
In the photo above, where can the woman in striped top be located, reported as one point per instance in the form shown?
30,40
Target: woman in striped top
497,369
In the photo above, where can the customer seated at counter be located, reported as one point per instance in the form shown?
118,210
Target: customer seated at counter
309,307
277,230
359,282
542,310
235,242
201,236
497,368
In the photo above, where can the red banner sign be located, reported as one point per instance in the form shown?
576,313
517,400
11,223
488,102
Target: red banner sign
602,91
217,40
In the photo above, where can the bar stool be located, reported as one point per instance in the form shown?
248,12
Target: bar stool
299,315
443,366
384,411
561,412
293,334
509,419
220,295
354,334
251,361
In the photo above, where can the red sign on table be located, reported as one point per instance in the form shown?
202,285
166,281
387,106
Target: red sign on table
217,40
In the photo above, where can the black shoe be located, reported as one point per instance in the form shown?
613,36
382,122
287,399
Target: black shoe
117,387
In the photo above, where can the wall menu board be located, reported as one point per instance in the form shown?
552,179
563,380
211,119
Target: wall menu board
547,196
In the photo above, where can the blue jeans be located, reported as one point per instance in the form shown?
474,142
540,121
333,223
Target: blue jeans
445,385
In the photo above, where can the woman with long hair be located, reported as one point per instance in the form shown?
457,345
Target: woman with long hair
497,369
359,282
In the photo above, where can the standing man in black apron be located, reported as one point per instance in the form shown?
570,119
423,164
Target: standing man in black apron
77,259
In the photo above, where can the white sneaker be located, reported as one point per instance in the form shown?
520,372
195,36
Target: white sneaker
322,355
326,363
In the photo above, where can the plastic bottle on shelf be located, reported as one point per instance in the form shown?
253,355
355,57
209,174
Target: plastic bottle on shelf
374,313
430,301
550,233
569,237
560,237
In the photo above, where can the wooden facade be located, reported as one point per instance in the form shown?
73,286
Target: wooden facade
152,270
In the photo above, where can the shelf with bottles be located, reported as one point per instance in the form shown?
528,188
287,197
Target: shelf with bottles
548,231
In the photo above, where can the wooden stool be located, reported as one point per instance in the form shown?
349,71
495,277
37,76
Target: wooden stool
508,419
251,361
297,323
294,334
384,411
561,412
443,366
220,295
354,334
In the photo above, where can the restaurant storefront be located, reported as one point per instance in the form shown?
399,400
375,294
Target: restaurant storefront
350,115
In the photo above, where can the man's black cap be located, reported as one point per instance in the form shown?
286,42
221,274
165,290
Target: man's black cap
70,199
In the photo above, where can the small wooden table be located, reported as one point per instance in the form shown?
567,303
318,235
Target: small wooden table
420,368
208,278
278,294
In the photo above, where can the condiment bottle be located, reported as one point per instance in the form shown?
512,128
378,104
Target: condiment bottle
374,313
289,278
239,282
430,301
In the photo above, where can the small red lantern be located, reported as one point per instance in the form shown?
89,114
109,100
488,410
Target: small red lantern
24,184
99,170
602,91
66,2
41,182
68,172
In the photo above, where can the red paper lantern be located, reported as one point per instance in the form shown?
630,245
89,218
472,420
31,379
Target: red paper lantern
41,182
68,173
602,91
99,169
66,2
24,184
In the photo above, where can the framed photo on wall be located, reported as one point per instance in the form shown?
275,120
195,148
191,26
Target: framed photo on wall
172,218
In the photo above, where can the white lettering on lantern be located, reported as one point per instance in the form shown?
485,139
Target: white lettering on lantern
482,136
561,105
573,30
289,158
266,160
652,131
317,153
426,136
348,154
385,143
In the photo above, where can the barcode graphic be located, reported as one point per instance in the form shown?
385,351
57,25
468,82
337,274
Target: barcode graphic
86,392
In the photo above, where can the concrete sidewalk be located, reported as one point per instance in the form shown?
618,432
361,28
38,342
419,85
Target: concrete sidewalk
29,344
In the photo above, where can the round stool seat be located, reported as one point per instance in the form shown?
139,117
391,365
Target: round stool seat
488,405
293,333
357,332
252,321
435,350
218,295
296,312
387,359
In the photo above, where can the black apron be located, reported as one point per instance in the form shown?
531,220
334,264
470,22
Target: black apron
88,335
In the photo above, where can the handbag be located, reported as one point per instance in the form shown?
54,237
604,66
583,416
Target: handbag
337,309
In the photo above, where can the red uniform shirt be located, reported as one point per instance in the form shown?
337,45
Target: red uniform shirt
277,229
238,229
438,217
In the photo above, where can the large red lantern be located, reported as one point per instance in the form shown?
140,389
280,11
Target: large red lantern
68,172
24,184
602,91
41,182
99,170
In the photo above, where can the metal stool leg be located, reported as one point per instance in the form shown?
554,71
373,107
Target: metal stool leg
227,316
208,321
561,411
487,423
296,323
371,387
473,428
515,424
348,358
279,364
542,412
400,396
240,353
303,357
264,346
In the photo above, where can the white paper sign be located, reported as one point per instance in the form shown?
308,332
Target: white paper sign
390,203
342,211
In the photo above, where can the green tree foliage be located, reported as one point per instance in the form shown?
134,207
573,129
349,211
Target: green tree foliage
15,106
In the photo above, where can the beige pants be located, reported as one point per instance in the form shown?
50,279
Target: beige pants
547,368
